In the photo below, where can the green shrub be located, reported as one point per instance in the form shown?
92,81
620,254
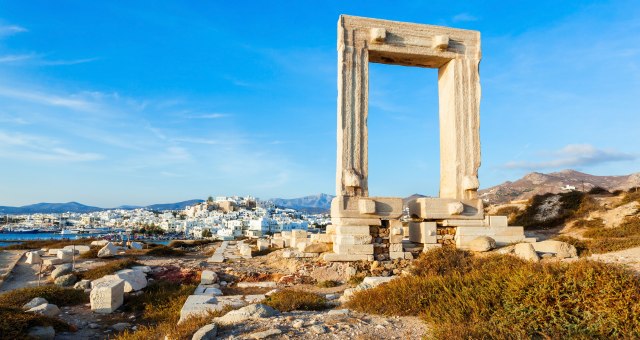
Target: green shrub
500,296
628,228
53,294
108,268
164,251
288,300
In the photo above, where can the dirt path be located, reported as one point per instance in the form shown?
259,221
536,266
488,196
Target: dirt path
22,275
629,258
8,260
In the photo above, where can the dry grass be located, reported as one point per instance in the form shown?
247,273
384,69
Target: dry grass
592,223
108,268
500,296
633,195
91,254
15,323
510,211
164,251
160,311
572,204
53,294
51,244
328,284
190,243
628,228
288,300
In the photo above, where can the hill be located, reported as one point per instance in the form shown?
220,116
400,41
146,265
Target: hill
49,208
537,183
320,203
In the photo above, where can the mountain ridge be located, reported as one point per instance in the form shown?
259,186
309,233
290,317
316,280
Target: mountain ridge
537,183
75,207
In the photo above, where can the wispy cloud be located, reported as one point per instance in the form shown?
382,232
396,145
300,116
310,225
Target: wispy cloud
15,58
7,30
211,116
47,99
575,155
38,148
464,17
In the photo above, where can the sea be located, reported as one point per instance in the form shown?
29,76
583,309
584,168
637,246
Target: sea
7,239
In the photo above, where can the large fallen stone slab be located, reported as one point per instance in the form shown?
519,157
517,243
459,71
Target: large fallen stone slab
216,258
134,280
37,301
482,244
368,283
144,269
256,311
47,309
197,305
266,284
558,248
107,296
100,243
526,251
109,250
209,290
79,249
65,280
208,332
51,262
60,270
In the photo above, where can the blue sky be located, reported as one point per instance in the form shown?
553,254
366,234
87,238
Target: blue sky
138,102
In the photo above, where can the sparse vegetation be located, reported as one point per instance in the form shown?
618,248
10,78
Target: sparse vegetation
582,247
193,243
91,254
108,268
630,227
571,204
164,251
589,224
15,323
328,284
500,296
39,244
633,195
263,252
288,300
510,211
160,307
53,294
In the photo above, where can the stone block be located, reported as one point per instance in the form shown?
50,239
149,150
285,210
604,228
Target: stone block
498,221
384,207
353,239
347,258
79,249
429,246
264,284
366,206
197,305
109,250
52,262
298,233
321,238
107,296
395,247
33,257
558,248
355,221
47,309
396,238
263,244
216,258
286,234
423,232
330,229
144,269
60,270
352,230
526,251
134,280
208,290
353,249
53,252
464,223
438,208
396,255
208,277
277,243
65,255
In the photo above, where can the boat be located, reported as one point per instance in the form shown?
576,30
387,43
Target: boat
26,231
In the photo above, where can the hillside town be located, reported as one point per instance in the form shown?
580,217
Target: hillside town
223,218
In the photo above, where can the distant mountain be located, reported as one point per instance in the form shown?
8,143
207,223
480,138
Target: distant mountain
537,183
75,207
173,206
320,203
49,208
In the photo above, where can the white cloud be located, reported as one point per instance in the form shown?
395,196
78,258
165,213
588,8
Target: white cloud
574,155
212,116
69,102
15,58
464,17
37,148
7,30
